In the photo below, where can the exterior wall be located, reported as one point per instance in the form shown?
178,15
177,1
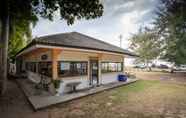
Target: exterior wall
105,78
109,77
35,55
111,58
83,79
55,55
67,55
34,77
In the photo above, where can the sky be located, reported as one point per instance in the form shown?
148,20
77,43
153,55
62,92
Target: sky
120,17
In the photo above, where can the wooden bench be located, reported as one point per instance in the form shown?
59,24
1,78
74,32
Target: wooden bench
73,86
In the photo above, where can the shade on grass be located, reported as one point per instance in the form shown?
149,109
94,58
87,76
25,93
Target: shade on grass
142,99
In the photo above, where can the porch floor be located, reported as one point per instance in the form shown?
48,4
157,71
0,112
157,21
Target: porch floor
40,102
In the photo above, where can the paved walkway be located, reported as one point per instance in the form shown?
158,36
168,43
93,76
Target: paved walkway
40,102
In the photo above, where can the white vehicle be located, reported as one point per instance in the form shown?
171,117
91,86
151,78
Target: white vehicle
182,67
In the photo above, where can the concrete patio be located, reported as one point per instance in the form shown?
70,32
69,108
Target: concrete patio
43,101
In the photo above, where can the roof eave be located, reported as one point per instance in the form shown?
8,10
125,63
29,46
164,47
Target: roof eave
34,42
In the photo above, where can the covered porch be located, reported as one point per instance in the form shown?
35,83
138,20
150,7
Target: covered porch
45,100
90,68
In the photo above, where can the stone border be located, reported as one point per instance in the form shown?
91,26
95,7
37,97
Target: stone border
41,102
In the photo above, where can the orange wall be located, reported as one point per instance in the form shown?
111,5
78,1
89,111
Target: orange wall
35,55
55,55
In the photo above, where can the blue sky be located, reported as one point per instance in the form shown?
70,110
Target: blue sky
120,17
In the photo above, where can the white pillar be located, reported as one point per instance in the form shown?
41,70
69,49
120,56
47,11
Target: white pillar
88,72
99,66
123,64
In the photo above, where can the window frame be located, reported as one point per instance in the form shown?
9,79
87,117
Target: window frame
50,72
108,67
31,66
72,68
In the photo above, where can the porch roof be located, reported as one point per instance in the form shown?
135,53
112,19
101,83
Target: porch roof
77,40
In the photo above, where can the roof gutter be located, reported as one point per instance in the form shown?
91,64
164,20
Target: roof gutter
37,44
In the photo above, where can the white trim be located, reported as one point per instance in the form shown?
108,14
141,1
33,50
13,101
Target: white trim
27,50
75,49
66,48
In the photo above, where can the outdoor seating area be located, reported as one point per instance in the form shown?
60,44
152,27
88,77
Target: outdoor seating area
44,99
73,86
46,87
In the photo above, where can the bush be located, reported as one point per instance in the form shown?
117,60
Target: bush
56,83
130,75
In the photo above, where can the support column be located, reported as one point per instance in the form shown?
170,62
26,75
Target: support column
99,68
88,71
123,64
55,55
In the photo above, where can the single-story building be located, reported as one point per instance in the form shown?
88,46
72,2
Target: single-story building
72,57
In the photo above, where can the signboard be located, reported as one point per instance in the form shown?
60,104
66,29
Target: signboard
65,66
44,57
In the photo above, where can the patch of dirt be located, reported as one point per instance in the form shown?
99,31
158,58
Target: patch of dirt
13,102
179,77
162,100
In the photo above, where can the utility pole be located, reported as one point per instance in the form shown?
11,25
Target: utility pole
120,38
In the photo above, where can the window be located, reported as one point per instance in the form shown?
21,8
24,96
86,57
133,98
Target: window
45,68
31,66
111,67
66,69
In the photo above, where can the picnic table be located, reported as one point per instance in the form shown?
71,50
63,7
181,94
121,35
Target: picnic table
73,86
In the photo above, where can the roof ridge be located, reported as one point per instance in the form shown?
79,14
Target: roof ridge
49,35
77,40
92,38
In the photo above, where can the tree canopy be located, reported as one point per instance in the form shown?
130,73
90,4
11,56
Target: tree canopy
16,17
70,10
145,44
171,26
170,30
25,13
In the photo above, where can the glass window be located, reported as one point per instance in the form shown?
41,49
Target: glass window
66,69
111,67
104,67
45,68
119,67
31,66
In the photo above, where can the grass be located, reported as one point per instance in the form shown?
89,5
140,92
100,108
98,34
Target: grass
137,86
143,99
122,93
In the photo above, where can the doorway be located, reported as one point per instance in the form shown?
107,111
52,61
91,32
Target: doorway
94,75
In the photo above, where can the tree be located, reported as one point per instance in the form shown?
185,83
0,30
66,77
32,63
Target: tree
16,11
171,26
145,44
20,36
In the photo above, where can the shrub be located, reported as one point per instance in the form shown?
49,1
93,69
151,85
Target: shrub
130,75
56,83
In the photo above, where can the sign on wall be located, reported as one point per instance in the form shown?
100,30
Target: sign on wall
44,57
65,66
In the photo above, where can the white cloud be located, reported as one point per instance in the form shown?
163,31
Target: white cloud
120,17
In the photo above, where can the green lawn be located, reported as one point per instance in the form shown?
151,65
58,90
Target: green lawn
143,99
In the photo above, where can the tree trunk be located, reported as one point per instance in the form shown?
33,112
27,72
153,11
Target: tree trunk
171,70
148,66
150,69
4,49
